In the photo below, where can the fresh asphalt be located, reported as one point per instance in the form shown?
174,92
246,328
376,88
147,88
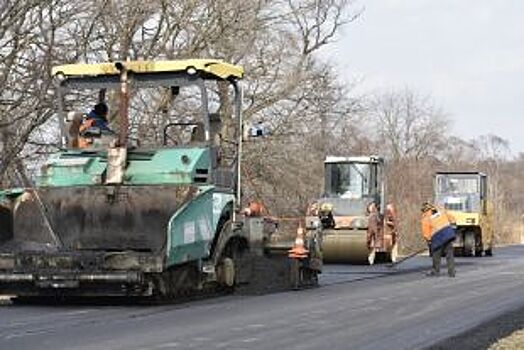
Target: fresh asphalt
356,307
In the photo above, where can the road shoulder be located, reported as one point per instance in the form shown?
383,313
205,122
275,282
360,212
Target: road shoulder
486,334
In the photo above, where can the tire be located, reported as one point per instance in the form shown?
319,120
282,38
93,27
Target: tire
478,244
226,272
469,243
229,262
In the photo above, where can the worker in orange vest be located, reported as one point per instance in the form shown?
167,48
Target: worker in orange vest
438,229
96,118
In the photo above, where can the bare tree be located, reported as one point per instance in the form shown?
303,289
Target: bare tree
408,125
29,36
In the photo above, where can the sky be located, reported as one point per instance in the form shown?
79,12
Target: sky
468,55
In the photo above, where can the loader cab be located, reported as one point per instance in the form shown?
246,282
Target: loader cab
461,191
353,183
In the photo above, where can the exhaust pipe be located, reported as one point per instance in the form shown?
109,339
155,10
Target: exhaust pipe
124,104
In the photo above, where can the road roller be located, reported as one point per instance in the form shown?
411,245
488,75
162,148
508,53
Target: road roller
464,195
357,225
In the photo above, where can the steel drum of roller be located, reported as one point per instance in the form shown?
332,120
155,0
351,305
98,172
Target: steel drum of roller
347,246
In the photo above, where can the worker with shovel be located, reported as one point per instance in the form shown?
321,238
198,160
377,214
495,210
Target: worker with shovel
438,230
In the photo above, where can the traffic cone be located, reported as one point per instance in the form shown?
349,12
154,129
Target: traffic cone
298,251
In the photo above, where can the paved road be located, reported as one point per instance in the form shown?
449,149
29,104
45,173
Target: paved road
356,308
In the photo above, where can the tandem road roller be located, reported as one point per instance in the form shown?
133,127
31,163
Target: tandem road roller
464,195
356,224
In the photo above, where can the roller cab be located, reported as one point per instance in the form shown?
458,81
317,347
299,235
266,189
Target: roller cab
464,195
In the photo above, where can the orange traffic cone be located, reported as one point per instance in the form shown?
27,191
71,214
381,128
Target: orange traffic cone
298,251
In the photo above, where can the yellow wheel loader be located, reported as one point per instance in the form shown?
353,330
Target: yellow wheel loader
464,195
354,221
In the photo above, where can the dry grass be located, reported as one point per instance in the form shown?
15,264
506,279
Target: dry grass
515,341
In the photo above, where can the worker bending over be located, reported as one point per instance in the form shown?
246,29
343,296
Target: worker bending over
438,229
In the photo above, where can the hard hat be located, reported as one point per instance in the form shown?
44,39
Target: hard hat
326,207
426,206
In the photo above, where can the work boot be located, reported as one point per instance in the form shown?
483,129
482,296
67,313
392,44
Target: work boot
432,274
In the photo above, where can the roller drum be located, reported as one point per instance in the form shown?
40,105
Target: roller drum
347,246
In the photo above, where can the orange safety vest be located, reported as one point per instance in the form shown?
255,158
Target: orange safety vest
84,142
434,222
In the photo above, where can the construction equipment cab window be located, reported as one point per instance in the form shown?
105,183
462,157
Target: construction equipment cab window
459,192
348,180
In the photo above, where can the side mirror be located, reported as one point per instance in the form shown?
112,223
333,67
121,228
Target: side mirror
256,130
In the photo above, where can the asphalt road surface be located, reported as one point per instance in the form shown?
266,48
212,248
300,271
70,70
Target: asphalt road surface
357,307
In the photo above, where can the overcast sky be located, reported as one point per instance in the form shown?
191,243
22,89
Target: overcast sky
467,54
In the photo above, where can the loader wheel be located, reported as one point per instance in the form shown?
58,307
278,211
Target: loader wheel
469,243
225,268
478,244
226,272
488,252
